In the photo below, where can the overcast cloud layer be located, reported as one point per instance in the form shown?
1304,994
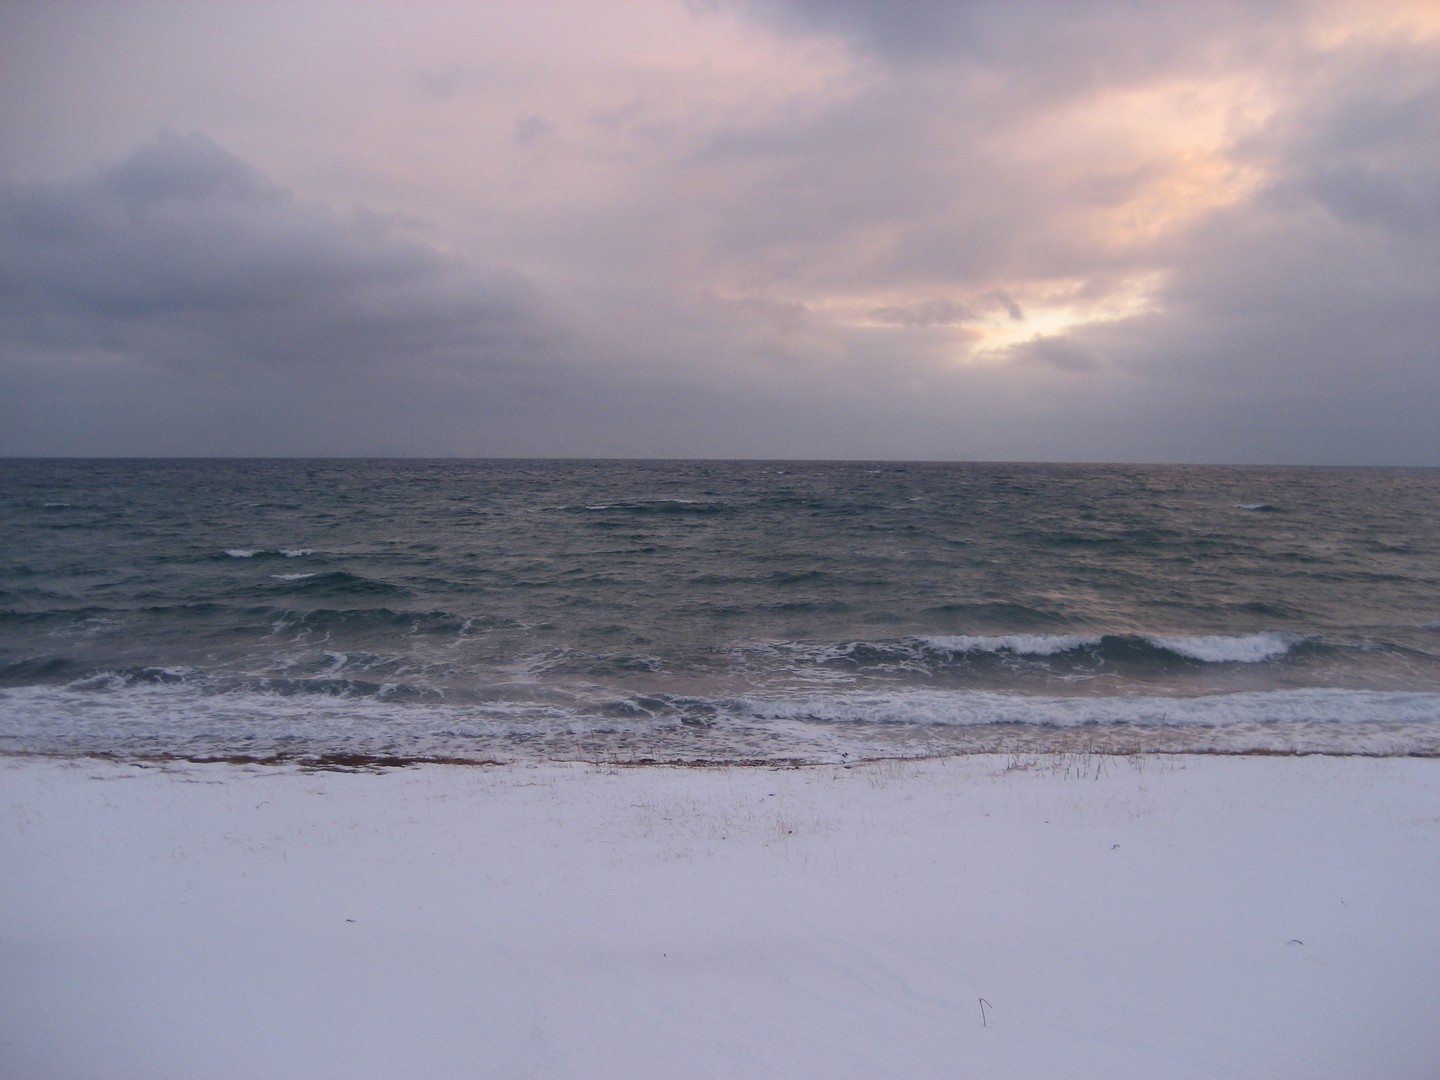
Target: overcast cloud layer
1040,230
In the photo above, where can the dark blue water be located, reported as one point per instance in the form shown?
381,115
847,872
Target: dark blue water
713,610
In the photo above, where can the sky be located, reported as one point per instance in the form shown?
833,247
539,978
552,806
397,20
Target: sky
1042,230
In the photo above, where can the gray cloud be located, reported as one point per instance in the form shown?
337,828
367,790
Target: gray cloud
946,312
1006,301
1038,47
1064,353
1366,155
1303,323
443,84
181,289
181,303
184,255
897,185
1297,324
702,250
532,128
926,313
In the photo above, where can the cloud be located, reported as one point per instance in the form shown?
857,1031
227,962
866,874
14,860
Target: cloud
769,227
947,312
182,274
183,255
1223,216
926,313
1366,153
1039,48
532,128
1063,353
1006,301
1302,323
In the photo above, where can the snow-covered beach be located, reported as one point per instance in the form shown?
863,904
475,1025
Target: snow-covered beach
987,916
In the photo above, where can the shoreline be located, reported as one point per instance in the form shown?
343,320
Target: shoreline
361,761
1181,915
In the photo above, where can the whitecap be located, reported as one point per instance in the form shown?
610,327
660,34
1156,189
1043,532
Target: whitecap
1021,644
242,553
1221,649
295,553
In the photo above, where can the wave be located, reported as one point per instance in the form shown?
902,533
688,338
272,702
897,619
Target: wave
9,616
1017,662
127,713
1025,663
649,507
1205,649
1019,644
253,622
1201,648
1225,649
339,583
271,553
124,678
344,688
170,712
987,708
381,619
1007,615
39,669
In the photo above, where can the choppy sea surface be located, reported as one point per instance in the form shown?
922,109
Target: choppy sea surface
716,611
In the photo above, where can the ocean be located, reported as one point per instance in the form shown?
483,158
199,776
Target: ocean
744,611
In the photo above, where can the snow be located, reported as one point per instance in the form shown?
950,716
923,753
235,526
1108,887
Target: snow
1155,916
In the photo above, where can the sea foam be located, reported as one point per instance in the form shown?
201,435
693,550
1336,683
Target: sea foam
1020,644
981,708
1221,648
287,553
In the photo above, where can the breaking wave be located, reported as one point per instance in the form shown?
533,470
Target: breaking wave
1018,644
164,711
272,553
1205,649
